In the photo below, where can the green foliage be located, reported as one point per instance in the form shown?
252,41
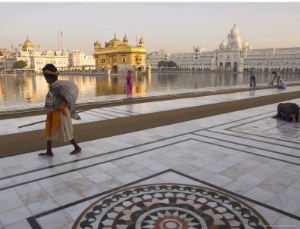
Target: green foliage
162,63
172,64
19,64
169,64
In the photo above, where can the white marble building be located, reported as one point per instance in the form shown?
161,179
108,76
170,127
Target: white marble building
37,59
232,55
79,59
155,57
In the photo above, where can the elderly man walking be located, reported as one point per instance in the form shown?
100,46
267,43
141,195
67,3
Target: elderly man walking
59,105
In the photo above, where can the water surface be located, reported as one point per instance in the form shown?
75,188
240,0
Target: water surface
28,89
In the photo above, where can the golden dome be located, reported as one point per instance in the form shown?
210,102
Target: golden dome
125,39
114,42
141,42
97,43
27,44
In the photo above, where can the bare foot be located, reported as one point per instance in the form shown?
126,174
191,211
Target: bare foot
76,151
46,154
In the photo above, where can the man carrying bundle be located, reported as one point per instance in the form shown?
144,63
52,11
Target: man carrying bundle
59,105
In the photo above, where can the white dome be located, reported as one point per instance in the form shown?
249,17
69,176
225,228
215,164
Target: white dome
234,39
235,31
222,45
246,46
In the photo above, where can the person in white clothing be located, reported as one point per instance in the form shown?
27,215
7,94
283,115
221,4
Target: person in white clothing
59,105
282,84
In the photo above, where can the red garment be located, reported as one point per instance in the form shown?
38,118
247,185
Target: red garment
129,83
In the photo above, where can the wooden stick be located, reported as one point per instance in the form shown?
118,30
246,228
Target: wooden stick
31,124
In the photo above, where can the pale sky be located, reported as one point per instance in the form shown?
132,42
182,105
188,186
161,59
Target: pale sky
173,26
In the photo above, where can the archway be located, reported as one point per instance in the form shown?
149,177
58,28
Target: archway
114,69
228,65
235,67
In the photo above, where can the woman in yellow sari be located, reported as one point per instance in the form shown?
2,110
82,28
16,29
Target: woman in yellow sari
59,105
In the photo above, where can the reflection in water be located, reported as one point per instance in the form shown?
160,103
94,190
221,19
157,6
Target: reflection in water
33,89
252,93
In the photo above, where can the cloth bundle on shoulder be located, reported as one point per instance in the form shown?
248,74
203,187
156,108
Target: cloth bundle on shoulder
70,91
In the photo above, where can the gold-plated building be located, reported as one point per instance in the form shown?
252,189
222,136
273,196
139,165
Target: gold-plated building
118,57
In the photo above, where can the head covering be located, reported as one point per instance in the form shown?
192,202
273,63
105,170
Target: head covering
50,71
274,72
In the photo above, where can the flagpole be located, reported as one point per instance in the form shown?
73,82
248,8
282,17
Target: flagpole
61,34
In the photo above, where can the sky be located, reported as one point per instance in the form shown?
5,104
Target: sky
176,27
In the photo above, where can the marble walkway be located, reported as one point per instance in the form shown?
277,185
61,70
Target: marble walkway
235,170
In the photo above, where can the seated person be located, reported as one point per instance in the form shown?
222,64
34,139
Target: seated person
282,84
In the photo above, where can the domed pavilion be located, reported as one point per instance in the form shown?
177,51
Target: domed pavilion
117,57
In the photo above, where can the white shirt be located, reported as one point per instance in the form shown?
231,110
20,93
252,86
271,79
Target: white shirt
282,84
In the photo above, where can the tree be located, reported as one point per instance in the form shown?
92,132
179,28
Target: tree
162,63
169,64
172,64
19,64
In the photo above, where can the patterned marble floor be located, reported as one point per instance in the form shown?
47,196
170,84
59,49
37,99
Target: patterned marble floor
235,170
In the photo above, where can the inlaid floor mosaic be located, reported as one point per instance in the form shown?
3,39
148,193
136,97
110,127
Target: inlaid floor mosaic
170,206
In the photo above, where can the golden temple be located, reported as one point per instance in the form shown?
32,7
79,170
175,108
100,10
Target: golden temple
118,57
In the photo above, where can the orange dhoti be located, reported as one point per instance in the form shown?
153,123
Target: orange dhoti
59,125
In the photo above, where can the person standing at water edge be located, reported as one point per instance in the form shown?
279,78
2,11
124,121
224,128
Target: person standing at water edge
252,77
129,83
59,104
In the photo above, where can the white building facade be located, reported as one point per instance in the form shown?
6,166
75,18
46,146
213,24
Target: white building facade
80,60
233,55
36,59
